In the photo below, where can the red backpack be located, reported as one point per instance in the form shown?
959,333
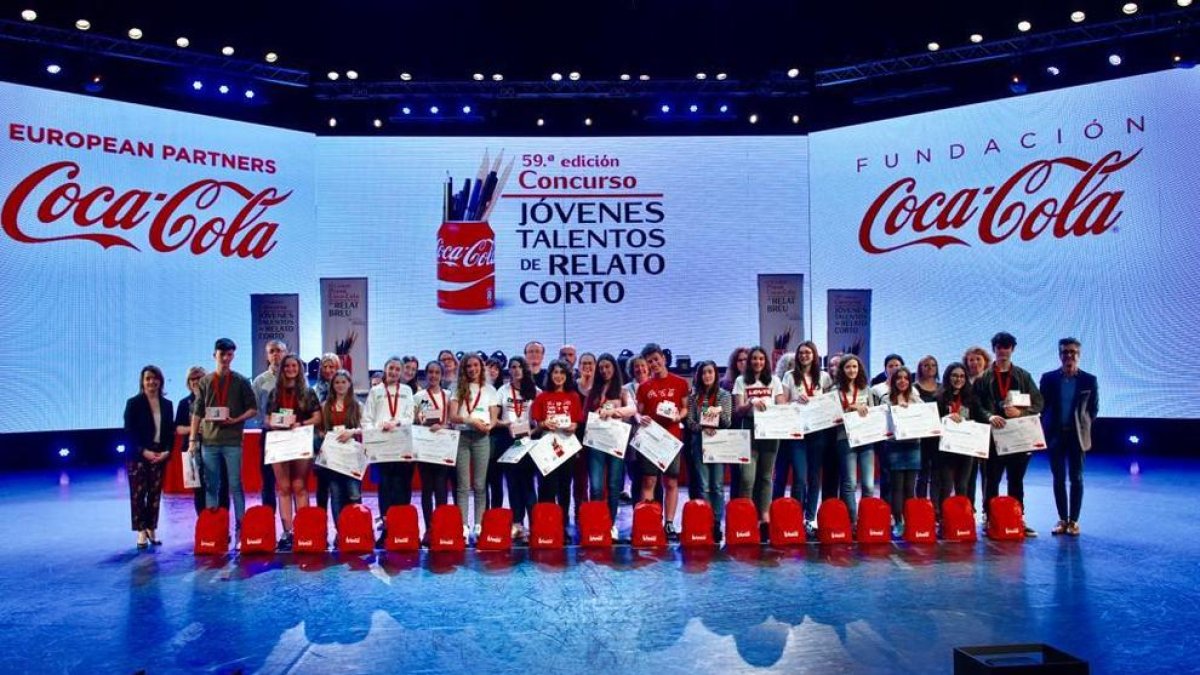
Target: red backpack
1006,520
446,532
356,529
310,530
833,522
258,530
787,523
595,527
958,519
648,529
403,534
496,532
741,522
697,525
546,526
212,532
874,521
920,524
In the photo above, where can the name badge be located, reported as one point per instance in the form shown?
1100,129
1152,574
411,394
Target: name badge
519,428
1017,400
560,421
216,413
667,409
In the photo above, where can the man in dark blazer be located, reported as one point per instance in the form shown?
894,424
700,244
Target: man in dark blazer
1072,402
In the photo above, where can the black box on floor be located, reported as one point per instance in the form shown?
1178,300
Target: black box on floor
1016,659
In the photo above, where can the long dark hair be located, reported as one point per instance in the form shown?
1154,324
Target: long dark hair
698,385
764,377
569,385
601,389
814,368
893,392
352,408
966,394
158,375
525,386
859,382
731,372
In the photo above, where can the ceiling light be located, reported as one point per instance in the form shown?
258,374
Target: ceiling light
497,77
1129,8
249,93
1114,59
478,77
1078,16
227,50
378,123
557,77
54,69
1024,26
83,24
135,33
625,77
574,75
182,42
406,76
224,89
29,15
976,38
644,78
721,76
351,74
587,122
701,76
333,75
271,57
793,72
753,118
541,122
933,46
332,122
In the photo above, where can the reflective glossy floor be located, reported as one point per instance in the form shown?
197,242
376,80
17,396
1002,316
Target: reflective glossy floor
77,596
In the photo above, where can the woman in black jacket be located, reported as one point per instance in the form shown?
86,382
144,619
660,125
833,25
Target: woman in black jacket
149,431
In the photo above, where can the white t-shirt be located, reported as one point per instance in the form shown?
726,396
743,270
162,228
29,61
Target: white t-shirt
432,406
793,388
480,400
758,390
377,409
508,404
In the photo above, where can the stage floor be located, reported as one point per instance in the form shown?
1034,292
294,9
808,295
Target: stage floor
79,598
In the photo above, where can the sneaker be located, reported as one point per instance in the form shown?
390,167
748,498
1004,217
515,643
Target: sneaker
478,530
672,535
1060,528
285,542
466,532
810,529
1030,533
613,532
625,498
898,531
1073,528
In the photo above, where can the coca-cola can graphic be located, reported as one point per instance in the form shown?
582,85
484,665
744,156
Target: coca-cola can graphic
466,266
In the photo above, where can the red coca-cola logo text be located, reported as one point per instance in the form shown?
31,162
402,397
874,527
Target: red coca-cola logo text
175,220
1084,210
479,254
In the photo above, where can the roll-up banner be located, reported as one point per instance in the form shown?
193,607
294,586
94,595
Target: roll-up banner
780,313
344,325
273,316
849,322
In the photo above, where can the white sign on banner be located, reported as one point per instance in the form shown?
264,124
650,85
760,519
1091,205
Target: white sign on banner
285,445
1020,434
553,449
347,458
610,436
726,446
965,438
435,447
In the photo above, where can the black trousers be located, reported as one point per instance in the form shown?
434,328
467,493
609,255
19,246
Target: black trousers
1012,465
395,485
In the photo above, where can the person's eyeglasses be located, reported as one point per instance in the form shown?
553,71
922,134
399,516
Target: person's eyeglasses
1069,351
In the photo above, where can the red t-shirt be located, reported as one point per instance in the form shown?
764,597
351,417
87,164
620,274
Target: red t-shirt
658,389
549,403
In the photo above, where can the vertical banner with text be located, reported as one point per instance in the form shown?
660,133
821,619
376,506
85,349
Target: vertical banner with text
344,325
849,322
273,316
780,313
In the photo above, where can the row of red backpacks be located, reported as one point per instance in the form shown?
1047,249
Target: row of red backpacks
355,526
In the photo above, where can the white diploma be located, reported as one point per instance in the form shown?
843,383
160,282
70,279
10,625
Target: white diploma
965,438
779,421
917,420
440,447
656,444
1020,434
346,458
823,411
288,445
552,449
610,436
864,430
389,446
726,446
517,452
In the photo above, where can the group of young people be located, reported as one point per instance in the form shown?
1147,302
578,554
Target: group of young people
493,404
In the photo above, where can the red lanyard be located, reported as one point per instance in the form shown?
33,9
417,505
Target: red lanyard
956,404
808,391
847,404
478,396
518,404
221,394
393,402
712,402
434,401
1003,382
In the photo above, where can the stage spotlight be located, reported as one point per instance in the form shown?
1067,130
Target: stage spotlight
587,121
1024,26
182,42
94,85
1134,440
976,38
625,77
1129,8
795,119
332,75
121,449
1053,70
1181,3
378,123
83,24
557,77
332,122
644,78
541,122
753,118
933,46
224,89
197,85
1017,86
271,57
64,452
721,76
478,77
54,69
724,109
793,72
135,33
227,50
249,93
351,74
574,75
406,110
497,77
406,77
466,110
1078,16
1114,59
665,108
29,15
693,108
433,110
701,76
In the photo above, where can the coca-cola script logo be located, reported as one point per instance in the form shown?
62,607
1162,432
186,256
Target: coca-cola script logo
479,254
1084,210
175,220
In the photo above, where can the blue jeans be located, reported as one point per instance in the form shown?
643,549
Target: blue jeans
854,461
213,455
343,490
598,463
804,457
712,481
